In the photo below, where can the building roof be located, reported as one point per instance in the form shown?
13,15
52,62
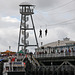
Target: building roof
25,4
7,51
59,43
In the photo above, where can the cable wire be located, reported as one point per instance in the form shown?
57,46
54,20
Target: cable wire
62,12
59,22
62,5
63,22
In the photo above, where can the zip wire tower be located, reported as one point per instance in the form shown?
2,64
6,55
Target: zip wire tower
26,11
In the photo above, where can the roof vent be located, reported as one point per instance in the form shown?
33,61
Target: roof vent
58,42
66,39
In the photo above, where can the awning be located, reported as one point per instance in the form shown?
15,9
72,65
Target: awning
21,52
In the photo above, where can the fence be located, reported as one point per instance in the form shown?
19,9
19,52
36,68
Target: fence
55,55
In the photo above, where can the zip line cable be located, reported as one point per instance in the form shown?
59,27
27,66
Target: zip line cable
62,12
63,22
60,22
59,13
59,7
54,25
62,5
68,10
57,23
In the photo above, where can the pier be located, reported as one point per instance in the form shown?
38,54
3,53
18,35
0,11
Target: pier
56,64
49,64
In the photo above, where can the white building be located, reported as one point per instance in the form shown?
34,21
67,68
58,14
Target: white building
59,46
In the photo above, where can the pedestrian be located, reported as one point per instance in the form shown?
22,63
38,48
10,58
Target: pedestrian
46,32
40,33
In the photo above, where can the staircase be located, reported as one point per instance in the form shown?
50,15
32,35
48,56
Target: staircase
35,61
32,60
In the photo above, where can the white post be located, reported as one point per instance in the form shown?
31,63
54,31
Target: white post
74,71
12,66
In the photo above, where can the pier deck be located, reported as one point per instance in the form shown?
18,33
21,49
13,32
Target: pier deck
57,63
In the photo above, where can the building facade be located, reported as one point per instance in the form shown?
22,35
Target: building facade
58,48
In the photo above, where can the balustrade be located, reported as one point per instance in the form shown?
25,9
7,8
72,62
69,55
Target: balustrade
55,55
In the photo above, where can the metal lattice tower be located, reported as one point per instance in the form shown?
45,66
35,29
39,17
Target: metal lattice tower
26,10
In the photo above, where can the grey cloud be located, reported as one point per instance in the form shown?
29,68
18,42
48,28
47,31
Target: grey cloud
45,3
8,37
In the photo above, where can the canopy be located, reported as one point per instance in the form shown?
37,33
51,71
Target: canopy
7,52
21,52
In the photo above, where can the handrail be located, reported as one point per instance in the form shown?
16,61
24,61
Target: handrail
35,61
31,61
54,55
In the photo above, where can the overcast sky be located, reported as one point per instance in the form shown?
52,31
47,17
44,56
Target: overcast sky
58,16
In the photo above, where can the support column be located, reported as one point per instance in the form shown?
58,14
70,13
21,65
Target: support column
58,72
38,71
43,71
74,71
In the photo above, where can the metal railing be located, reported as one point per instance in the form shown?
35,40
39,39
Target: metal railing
55,55
54,67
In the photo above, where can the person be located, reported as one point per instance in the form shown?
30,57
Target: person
45,52
46,32
69,51
72,50
40,33
31,55
41,43
24,65
13,59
